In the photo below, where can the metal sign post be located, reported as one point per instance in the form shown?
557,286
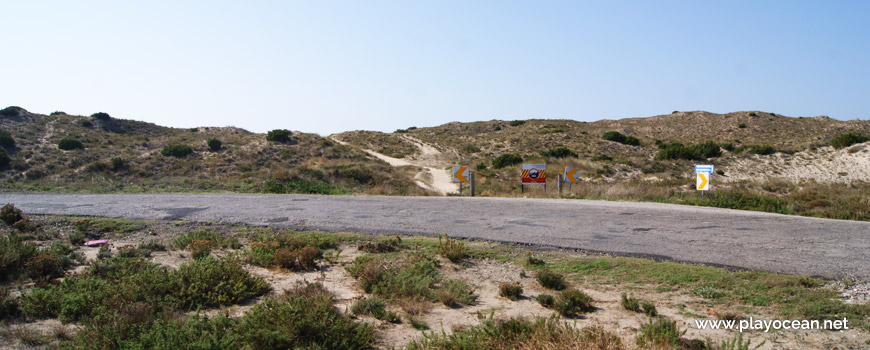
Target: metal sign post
703,173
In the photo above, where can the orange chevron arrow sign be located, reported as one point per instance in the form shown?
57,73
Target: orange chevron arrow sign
460,174
572,175
703,182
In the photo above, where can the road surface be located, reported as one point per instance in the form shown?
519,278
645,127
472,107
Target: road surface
742,239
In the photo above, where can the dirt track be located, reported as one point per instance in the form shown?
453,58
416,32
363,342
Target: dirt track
751,240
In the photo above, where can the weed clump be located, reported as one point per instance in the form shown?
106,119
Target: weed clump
387,246
659,333
296,260
295,252
455,292
701,151
516,122
515,333
512,291
14,255
375,307
409,277
649,308
101,116
118,163
630,303
551,280
546,300
10,214
572,302
452,249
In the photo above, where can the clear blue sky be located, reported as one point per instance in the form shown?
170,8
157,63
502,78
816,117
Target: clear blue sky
330,66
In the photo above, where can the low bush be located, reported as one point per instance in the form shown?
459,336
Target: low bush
845,140
8,304
515,333
5,160
410,277
451,249
101,116
86,123
10,214
375,307
209,282
455,292
11,111
551,280
546,300
741,125
517,122
649,308
617,136
278,135
6,139
572,302
176,150
218,240
559,152
14,255
510,290
214,144
386,246
755,149
630,303
200,248
602,158
118,163
659,333
291,251
68,144
701,151
506,160
296,260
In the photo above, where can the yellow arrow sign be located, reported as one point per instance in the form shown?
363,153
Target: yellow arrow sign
702,182
570,175
458,174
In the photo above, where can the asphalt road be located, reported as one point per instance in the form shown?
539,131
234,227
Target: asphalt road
742,239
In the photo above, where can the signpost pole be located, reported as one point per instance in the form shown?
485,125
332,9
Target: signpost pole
460,188
560,185
471,173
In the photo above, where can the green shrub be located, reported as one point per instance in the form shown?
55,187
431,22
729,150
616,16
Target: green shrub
410,277
211,282
375,307
546,300
68,144
214,144
454,292
741,125
756,149
505,160
303,319
296,260
11,111
451,249
551,280
845,140
559,152
176,150
200,248
118,163
14,254
512,291
5,160
659,333
278,135
496,128
86,123
517,122
6,139
602,157
45,265
630,303
720,172
10,214
572,302
518,333
701,151
8,304
649,308
101,116
617,136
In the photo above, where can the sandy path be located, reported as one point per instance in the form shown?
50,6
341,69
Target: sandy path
432,177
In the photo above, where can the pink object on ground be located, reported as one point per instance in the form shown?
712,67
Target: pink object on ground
96,243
